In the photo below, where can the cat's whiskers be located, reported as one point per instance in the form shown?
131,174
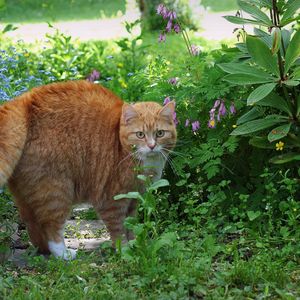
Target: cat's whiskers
168,159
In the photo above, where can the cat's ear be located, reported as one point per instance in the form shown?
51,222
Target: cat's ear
129,112
168,110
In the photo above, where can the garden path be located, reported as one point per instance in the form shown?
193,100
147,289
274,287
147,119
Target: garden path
79,234
214,27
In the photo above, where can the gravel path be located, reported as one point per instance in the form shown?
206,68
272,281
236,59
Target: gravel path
214,27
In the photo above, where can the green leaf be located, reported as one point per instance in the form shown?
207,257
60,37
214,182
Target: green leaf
288,21
292,52
130,195
296,74
252,114
260,142
242,79
238,20
159,183
298,106
261,54
256,125
260,93
276,39
275,101
291,82
9,27
238,68
291,8
279,132
266,37
255,12
285,158
252,215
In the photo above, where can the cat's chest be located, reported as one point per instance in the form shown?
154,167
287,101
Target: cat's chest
153,166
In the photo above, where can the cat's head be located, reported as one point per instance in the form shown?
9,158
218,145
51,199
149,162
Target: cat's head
148,128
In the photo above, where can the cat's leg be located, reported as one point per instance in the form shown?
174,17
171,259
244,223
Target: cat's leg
34,231
45,209
113,214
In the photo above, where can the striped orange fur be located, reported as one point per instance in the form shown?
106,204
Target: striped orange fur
71,142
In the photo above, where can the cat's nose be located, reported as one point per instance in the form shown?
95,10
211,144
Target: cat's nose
151,146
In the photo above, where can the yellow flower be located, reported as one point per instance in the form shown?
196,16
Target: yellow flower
234,126
120,65
26,54
279,146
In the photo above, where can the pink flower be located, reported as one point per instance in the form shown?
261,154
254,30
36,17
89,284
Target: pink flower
95,75
160,8
222,109
176,28
232,108
172,15
195,126
169,26
175,118
162,37
173,80
195,50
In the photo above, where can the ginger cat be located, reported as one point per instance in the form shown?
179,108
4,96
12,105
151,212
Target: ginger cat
71,142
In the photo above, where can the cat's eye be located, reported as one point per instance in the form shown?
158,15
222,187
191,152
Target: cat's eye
160,133
140,134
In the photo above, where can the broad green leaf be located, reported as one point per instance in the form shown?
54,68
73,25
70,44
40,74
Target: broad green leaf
293,51
266,37
130,195
285,158
261,54
291,8
288,21
255,12
275,101
296,74
252,215
276,40
260,93
238,68
298,106
242,47
265,3
291,82
255,125
243,79
261,142
252,114
279,132
157,184
286,37
238,20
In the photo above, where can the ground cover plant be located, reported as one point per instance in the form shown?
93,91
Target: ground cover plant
224,221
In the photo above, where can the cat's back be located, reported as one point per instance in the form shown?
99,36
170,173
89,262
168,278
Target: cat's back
71,96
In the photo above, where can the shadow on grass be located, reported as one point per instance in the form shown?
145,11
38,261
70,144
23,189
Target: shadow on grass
31,11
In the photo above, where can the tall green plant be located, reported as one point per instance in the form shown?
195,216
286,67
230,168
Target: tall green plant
270,62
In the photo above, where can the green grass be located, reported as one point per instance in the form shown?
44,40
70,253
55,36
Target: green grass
29,11
198,268
218,6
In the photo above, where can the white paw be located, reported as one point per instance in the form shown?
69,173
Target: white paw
60,250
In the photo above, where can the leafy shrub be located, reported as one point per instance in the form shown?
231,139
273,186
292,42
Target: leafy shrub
270,58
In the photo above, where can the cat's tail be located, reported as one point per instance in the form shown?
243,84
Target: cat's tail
13,133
